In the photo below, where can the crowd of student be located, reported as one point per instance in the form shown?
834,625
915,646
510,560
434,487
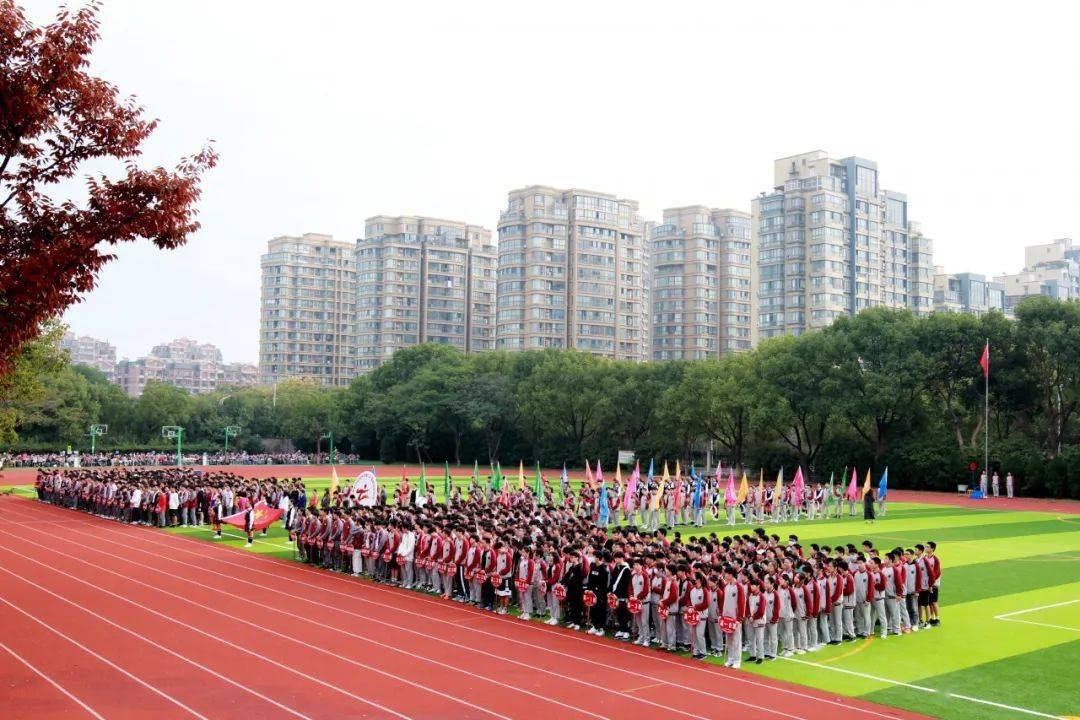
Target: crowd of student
156,458
743,594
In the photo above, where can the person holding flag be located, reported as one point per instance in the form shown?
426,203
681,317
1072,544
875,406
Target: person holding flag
798,493
603,508
852,492
759,496
653,515
731,498
868,499
697,501
778,497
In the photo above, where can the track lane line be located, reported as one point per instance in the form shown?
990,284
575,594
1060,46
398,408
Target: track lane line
293,616
502,638
100,657
71,696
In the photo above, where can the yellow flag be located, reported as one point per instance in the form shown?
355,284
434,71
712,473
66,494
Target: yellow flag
744,489
678,472
779,481
521,475
618,478
655,504
866,485
334,482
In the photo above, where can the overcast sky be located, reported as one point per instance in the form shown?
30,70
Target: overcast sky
325,113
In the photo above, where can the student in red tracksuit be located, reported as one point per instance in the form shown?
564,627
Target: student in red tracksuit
933,564
733,606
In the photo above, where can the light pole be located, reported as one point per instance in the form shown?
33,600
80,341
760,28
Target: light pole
330,436
230,431
175,431
96,431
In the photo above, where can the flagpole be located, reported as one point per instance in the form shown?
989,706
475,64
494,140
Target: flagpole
986,415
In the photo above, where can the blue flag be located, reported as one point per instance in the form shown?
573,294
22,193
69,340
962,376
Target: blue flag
883,486
696,499
605,511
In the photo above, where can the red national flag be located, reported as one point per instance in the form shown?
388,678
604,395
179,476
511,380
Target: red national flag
984,361
262,517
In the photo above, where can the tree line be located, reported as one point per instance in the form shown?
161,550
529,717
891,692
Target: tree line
883,388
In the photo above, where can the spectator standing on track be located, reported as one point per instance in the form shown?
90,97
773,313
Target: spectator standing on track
995,484
1009,485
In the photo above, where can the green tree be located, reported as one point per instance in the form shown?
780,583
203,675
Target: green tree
24,383
1048,333
160,404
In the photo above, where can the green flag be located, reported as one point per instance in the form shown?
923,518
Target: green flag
496,478
447,482
539,481
829,492
421,490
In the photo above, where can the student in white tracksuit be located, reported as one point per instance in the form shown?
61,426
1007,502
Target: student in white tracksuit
733,606
772,617
756,606
787,618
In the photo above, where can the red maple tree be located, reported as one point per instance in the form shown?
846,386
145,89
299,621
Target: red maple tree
54,116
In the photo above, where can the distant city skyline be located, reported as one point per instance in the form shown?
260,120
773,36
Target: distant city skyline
970,121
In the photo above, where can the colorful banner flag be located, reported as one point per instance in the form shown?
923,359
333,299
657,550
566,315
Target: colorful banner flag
829,498
631,487
334,482
984,361
448,482
605,509
262,517
778,489
564,484
421,489
853,487
866,485
744,489
695,500
538,482
521,474
798,486
618,481
883,486
678,487
589,476
655,504
730,495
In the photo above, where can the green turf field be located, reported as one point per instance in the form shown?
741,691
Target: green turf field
1009,642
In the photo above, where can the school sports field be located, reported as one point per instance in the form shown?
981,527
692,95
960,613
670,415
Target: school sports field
175,624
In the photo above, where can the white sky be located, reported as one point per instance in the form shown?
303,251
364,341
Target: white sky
325,113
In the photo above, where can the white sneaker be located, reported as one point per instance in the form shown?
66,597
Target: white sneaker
800,652
524,616
786,653
247,544
552,621
727,663
736,666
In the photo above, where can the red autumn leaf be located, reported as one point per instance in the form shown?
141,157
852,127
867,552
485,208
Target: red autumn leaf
54,116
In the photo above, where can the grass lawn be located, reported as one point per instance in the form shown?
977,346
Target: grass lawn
1009,642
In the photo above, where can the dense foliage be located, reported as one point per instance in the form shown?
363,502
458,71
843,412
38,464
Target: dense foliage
882,388
57,122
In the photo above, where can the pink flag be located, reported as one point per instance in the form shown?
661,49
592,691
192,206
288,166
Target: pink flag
599,474
631,487
798,486
853,487
589,475
731,498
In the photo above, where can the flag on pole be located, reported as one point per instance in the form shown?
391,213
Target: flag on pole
984,361
589,476
853,487
476,472
798,485
744,489
883,486
618,481
448,482
761,483
866,485
678,487
334,482
564,483
779,487
497,478
631,487
730,494
538,482
521,474
695,500
421,490
605,509
655,504
829,499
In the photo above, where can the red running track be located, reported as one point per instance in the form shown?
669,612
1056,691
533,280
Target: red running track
110,620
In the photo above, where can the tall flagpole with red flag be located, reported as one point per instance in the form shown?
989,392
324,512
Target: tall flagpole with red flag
984,361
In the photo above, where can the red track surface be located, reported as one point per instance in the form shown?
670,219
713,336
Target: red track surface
26,476
100,619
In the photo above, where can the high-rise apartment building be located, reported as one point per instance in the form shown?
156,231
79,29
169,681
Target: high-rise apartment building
1051,269
421,280
967,293
186,364
572,269
702,288
832,242
306,323
85,350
